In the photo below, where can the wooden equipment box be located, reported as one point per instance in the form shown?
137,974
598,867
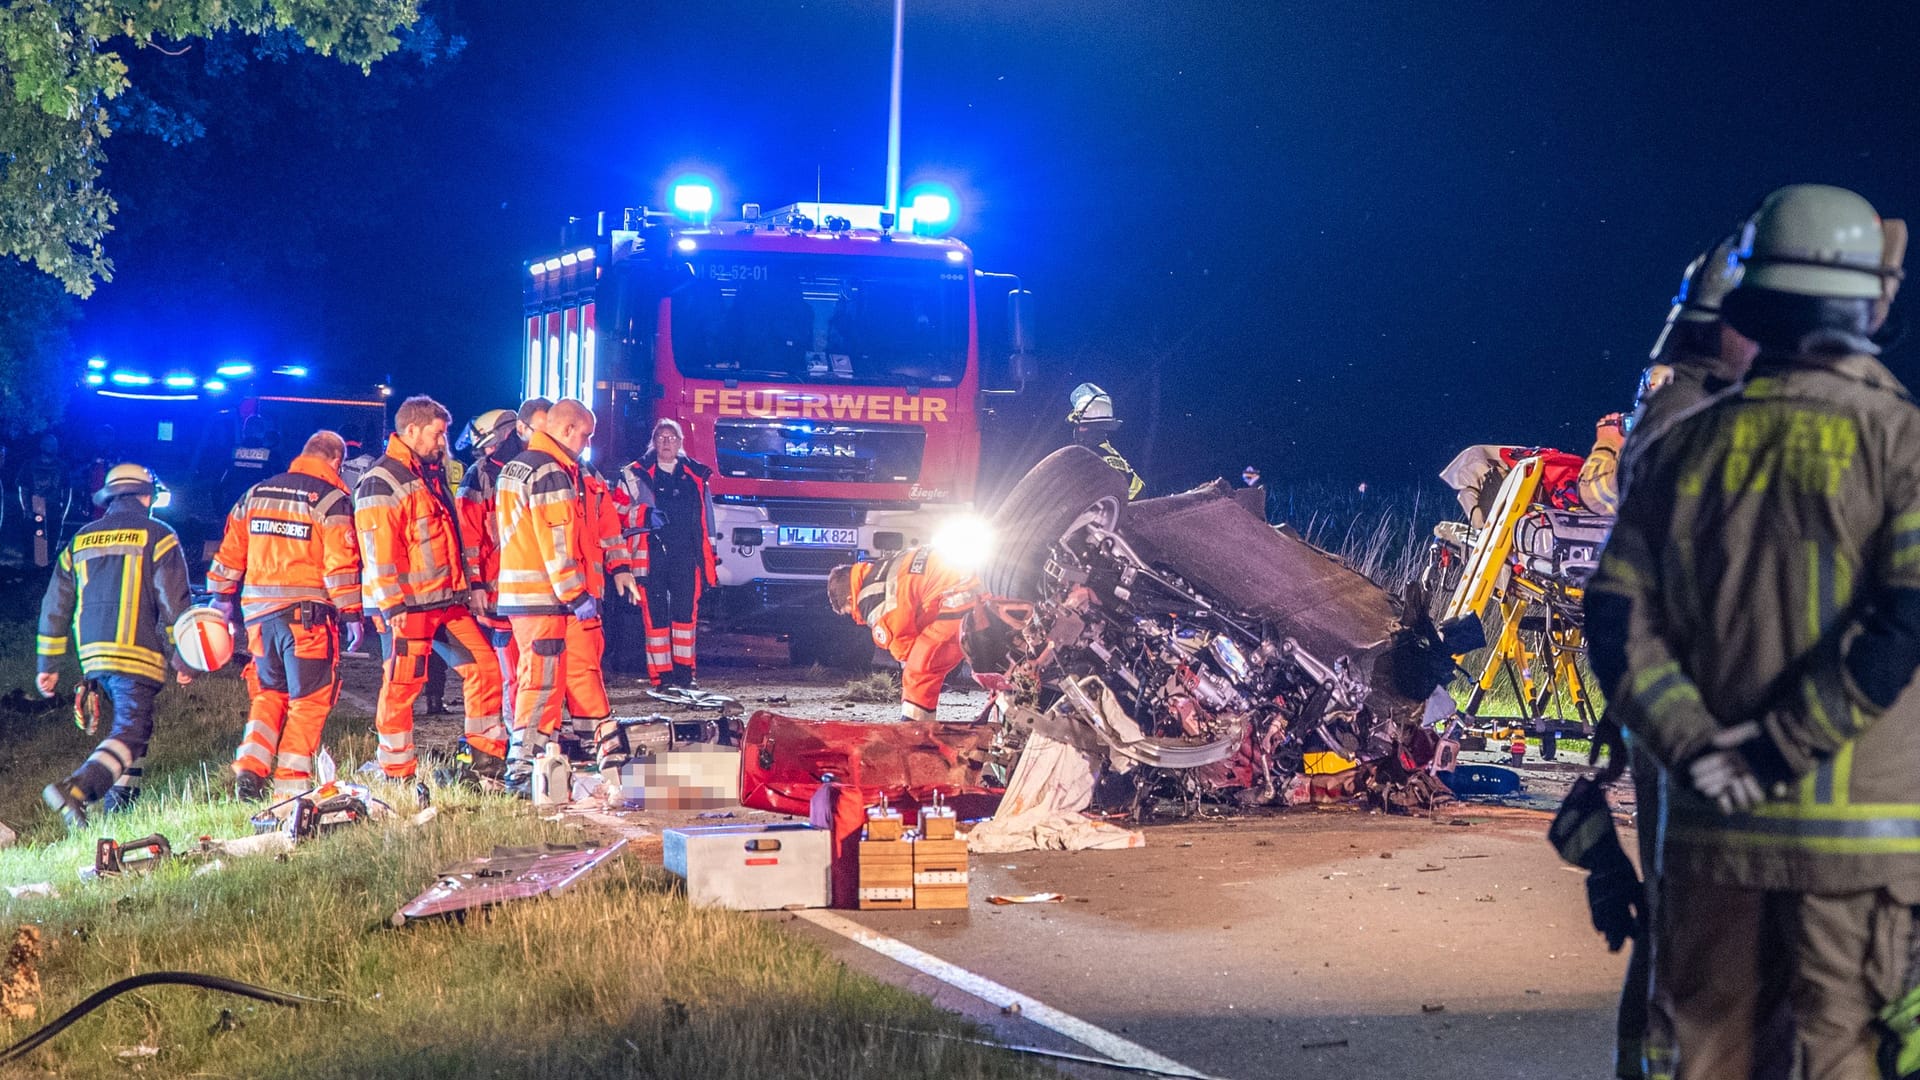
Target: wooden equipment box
939,873
886,875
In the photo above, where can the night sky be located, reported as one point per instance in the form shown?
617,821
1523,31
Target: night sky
1349,237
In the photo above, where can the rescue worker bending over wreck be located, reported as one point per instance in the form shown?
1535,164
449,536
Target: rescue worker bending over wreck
914,603
415,579
1758,610
291,563
546,532
1091,415
120,585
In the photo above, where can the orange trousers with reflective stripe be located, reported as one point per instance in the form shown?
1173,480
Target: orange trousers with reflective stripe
559,670
935,653
293,679
457,636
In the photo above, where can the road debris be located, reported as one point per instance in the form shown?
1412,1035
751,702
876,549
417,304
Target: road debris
1323,1044
505,875
1028,898
1433,1007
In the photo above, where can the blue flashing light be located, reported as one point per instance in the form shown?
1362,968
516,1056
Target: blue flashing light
180,382
234,369
298,371
214,386
693,196
131,378
956,255
97,363
94,378
932,209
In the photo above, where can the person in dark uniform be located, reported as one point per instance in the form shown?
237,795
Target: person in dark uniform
666,501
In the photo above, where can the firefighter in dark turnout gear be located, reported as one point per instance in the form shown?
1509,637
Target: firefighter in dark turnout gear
670,532
1757,609
119,586
1093,427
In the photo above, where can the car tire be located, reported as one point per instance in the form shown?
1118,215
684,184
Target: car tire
1071,485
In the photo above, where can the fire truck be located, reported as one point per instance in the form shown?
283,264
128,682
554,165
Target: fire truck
830,361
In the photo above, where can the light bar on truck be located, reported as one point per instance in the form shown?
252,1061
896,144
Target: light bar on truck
131,378
234,369
98,363
180,381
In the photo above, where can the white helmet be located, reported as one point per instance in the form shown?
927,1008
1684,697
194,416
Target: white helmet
204,639
1091,405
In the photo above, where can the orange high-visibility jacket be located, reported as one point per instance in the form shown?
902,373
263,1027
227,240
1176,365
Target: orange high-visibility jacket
290,540
607,553
545,532
479,529
900,596
409,536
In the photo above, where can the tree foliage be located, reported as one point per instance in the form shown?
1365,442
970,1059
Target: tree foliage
58,73
35,371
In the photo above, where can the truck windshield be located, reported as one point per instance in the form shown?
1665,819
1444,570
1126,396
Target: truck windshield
821,319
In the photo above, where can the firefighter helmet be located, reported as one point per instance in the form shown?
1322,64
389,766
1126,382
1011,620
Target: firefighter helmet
1816,240
125,479
1090,405
485,431
1708,279
204,638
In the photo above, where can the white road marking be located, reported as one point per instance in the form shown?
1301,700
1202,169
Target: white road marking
1097,1038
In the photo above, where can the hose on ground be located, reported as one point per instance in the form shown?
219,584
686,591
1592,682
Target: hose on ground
152,978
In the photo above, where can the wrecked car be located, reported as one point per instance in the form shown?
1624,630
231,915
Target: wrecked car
1206,653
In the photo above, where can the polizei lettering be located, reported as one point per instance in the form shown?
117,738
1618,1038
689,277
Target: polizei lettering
786,405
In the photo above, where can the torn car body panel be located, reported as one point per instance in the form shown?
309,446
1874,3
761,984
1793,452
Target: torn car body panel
505,875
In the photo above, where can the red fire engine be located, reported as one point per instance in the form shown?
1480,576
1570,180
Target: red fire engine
827,359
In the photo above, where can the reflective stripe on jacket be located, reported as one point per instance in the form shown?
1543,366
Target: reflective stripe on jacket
290,540
118,586
1766,566
901,595
409,536
543,531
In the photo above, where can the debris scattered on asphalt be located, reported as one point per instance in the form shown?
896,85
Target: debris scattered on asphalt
773,699
1429,868
1481,855
1323,1044
1028,898
1010,1009
1433,1007
507,874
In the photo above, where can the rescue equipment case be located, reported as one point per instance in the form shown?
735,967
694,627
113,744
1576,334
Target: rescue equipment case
752,867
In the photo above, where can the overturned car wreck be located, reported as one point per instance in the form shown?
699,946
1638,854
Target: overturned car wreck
1206,654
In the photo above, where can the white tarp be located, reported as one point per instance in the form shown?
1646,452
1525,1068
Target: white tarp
1051,784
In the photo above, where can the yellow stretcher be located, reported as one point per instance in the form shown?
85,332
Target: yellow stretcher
1540,639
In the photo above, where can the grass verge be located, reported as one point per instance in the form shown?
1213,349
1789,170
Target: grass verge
619,977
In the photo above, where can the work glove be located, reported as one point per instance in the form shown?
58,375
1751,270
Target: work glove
355,636
1616,903
624,584
477,601
586,608
227,604
1725,773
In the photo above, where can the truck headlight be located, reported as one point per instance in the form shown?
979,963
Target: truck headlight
964,542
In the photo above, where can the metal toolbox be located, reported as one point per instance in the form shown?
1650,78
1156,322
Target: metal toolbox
752,867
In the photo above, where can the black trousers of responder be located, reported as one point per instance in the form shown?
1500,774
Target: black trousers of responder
673,589
115,766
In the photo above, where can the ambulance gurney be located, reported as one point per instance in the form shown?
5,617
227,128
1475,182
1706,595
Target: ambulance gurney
784,760
1524,574
1206,651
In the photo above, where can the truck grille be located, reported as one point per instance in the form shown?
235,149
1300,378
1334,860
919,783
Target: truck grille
814,561
812,450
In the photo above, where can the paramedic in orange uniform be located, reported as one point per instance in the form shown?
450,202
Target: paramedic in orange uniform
914,602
